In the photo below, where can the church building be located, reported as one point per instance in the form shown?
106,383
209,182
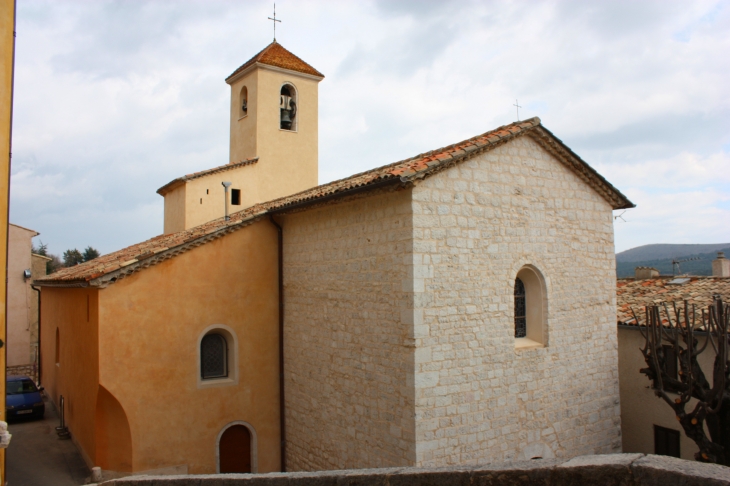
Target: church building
456,307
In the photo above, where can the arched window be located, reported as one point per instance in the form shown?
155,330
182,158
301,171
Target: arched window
217,357
520,319
288,106
243,103
530,308
213,357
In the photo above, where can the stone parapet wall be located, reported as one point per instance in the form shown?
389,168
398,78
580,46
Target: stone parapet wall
612,469
478,397
30,370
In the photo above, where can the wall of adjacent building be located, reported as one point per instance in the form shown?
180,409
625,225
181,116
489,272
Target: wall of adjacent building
21,298
641,410
348,341
478,397
149,332
38,269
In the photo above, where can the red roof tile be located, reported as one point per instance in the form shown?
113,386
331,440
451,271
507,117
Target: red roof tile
275,55
637,294
118,264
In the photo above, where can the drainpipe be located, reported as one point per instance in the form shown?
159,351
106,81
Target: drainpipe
38,349
226,185
282,407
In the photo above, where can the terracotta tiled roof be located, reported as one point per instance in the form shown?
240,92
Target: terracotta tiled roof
107,268
275,55
195,175
637,294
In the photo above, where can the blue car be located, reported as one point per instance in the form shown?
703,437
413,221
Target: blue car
23,398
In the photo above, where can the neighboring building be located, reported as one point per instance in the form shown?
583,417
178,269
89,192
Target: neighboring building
648,424
22,317
456,307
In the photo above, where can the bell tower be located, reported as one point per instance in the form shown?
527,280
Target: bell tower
274,117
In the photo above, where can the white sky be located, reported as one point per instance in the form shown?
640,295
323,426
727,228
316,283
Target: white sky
115,99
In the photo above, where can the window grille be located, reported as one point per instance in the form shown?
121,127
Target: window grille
520,318
213,357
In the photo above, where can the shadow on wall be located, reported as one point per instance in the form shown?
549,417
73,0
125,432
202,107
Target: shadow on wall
113,437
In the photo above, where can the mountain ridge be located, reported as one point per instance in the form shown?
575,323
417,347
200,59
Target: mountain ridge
660,251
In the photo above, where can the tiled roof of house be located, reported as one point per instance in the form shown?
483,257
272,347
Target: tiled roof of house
275,55
195,175
637,294
107,268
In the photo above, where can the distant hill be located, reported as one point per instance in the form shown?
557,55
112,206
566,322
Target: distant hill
662,251
701,266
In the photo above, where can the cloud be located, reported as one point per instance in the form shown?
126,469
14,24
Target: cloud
114,99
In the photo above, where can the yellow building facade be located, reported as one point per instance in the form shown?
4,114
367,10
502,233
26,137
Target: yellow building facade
133,405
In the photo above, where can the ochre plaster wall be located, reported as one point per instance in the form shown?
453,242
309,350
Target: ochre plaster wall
7,66
348,341
74,312
478,398
113,437
205,196
640,408
21,298
243,128
151,324
175,210
280,152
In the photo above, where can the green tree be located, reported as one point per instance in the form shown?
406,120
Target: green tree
54,263
72,257
41,249
90,253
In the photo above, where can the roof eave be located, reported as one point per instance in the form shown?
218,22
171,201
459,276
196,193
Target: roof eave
589,175
236,76
170,186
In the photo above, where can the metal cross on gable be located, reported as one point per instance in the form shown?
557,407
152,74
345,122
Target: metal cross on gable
275,21
518,109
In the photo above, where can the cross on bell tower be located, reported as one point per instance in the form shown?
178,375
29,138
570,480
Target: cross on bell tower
275,20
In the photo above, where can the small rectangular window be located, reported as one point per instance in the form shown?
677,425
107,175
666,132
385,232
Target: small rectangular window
666,441
236,197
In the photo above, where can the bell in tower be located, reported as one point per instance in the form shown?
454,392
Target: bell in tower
287,107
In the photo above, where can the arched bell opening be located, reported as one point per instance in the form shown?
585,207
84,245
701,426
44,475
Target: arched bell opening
288,106
243,103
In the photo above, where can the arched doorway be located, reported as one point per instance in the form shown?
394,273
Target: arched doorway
234,450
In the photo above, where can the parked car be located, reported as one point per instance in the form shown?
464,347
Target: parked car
23,398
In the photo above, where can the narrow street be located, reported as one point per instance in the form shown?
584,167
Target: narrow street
36,457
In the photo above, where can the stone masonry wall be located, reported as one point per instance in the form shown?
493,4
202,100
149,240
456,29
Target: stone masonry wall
349,353
613,469
478,398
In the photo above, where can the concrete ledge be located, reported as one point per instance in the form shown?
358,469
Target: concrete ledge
609,470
